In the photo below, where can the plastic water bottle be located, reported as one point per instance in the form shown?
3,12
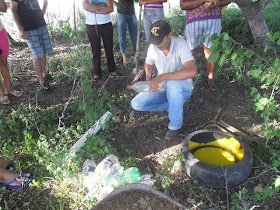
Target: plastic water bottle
108,166
104,178
89,176
143,86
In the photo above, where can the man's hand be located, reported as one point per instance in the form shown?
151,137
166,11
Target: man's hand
23,34
155,83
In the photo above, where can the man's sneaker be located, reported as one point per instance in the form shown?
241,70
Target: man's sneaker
172,133
48,78
45,88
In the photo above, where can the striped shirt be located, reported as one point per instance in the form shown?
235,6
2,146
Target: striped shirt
153,6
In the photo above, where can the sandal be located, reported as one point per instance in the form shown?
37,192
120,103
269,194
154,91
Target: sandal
15,93
4,100
20,178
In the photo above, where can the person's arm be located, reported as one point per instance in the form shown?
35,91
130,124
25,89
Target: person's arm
3,6
91,7
100,9
143,2
191,4
148,71
14,8
223,3
188,71
45,5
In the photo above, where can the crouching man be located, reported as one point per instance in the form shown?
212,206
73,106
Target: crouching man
175,64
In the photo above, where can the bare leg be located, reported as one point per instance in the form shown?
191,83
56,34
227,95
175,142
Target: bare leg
5,73
124,59
195,52
6,76
210,69
38,67
4,163
44,62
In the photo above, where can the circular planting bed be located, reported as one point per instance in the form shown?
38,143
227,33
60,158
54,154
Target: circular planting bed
215,158
137,197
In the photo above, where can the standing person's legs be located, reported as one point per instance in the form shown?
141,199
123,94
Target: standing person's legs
95,42
37,44
45,42
133,30
210,67
147,24
107,36
6,76
121,22
212,26
151,16
4,46
38,67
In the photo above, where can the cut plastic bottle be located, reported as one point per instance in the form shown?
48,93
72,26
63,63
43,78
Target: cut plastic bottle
143,86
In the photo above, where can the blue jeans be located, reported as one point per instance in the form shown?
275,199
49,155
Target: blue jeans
172,99
123,20
151,16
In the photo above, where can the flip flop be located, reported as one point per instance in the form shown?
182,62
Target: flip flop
11,164
16,179
4,100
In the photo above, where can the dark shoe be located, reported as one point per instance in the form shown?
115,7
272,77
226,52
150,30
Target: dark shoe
172,133
45,88
48,78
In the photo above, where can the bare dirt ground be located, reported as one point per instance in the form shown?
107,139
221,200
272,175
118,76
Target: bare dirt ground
141,135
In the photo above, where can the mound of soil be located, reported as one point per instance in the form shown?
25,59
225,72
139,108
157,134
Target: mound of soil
137,197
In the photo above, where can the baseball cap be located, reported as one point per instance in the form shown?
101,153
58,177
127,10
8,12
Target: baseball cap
158,31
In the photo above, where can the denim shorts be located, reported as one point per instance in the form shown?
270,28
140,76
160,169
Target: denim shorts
39,42
195,30
4,43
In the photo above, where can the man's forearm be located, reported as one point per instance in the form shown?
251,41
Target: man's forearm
188,71
191,4
148,71
224,2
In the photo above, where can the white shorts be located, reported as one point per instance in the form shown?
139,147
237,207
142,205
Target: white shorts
195,30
